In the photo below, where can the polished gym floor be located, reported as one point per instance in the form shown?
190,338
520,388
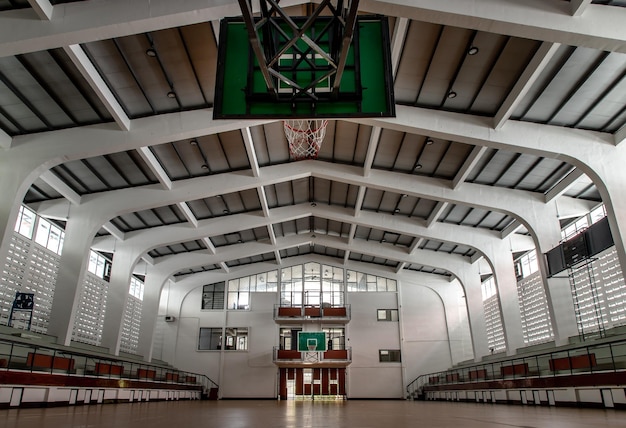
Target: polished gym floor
306,414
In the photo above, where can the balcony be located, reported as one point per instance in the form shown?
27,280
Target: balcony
330,358
312,313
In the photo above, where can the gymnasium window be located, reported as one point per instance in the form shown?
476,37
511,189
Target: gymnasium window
236,339
362,282
387,315
239,289
210,339
389,355
213,296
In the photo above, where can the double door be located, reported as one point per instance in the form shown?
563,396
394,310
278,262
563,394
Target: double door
304,383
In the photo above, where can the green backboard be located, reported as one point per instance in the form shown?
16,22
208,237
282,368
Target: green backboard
366,88
311,341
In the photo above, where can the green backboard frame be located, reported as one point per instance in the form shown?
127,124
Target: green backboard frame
313,338
366,88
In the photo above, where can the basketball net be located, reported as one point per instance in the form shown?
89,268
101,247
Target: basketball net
305,137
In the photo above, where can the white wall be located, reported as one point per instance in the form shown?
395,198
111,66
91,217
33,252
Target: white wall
426,341
431,337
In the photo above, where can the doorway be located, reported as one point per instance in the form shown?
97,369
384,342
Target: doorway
316,383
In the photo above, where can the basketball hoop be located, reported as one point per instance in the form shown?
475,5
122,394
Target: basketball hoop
305,137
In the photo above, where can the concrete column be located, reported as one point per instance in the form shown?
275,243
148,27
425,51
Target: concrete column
149,312
124,260
79,233
470,279
501,262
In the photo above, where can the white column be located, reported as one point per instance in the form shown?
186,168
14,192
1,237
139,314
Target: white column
124,260
79,234
149,312
476,311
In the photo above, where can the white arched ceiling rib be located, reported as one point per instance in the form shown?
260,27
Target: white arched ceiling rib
600,27
482,240
517,203
168,265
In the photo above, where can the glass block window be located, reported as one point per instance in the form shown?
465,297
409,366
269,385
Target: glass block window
493,324
131,325
536,324
91,309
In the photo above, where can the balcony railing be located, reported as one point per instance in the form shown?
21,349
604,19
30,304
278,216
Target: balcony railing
22,357
307,312
606,357
331,356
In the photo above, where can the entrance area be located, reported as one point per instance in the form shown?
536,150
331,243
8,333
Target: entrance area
320,383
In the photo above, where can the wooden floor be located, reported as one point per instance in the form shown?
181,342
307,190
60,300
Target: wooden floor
290,414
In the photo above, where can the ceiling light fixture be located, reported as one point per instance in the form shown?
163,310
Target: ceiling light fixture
194,142
451,94
204,166
418,166
404,195
472,50
313,204
429,141
151,52
171,94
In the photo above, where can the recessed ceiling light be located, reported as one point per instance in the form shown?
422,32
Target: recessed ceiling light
313,236
383,240
194,142
418,166
151,52
451,94
429,141
239,241
171,94
404,195
204,166
226,212
397,210
472,50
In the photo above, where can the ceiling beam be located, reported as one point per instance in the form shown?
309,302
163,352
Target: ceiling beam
397,43
209,245
468,166
510,229
114,231
249,144
97,83
536,66
155,166
43,8
189,215
578,7
600,27
564,185
60,186
546,20
620,135
436,213
5,140
371,150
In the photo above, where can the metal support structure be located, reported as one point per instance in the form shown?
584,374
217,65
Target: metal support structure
598,328
296,55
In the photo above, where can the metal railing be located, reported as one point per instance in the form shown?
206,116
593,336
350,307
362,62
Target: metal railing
344,354
312,311
35,358
594,358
